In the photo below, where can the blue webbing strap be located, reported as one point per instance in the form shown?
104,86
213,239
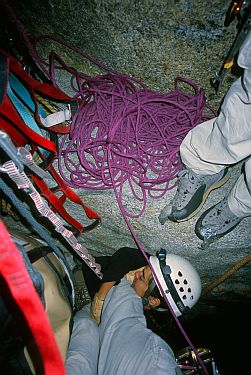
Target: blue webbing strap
21,91
14,87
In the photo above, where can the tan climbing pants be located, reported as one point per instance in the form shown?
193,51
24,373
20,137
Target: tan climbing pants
226,139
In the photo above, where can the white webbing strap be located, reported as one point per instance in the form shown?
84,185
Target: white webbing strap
23,182
56,117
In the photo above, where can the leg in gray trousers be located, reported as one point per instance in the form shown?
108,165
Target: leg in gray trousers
82,355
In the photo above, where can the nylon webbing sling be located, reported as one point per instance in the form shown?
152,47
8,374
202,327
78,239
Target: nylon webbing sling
55,118
17,121
25,115
57,203
23,183
19,283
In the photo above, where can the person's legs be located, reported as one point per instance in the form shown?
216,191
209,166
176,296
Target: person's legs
208,149
239,199
82,355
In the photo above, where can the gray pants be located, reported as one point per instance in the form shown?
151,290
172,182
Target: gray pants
82,354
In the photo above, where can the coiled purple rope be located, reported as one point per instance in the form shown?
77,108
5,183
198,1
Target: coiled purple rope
128,136
191,107
124,135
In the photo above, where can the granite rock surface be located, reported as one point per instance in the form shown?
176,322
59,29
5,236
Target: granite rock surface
155,41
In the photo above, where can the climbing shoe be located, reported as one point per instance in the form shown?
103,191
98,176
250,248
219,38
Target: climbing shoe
192,191
216,222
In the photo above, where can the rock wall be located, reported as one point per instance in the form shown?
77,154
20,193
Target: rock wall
155,41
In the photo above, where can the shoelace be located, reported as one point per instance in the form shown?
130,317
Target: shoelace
185,178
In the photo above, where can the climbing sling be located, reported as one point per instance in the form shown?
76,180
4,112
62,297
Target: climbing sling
23,183
25,121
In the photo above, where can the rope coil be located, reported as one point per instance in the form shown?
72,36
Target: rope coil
119,163
123,134
128,136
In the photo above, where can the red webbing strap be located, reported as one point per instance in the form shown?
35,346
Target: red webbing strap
57,203
44,89
21,134
19,283
10,120
13,125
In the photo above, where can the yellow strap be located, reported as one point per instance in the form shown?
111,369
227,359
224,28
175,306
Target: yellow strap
7,209
228,64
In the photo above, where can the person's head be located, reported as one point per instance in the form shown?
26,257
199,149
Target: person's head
178,278
141,284
142,280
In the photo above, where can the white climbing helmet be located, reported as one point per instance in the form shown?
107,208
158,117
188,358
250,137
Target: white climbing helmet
179,280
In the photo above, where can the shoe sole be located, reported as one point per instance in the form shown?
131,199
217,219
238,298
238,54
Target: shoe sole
215,237
212,187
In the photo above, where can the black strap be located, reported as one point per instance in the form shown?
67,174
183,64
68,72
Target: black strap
3,75
166,271
35,275
38,252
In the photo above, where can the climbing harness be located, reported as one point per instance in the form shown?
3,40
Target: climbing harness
21,114
28,217
50,281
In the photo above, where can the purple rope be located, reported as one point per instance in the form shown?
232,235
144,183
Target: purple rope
123,133
200,361
143,129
